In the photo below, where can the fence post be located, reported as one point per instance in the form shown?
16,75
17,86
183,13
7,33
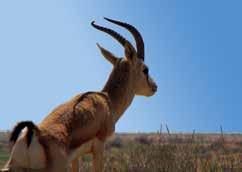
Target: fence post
222,134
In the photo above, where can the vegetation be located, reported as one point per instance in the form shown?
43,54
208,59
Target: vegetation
167,153
3,154
176,153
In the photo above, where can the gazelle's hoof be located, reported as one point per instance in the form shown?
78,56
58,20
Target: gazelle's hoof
4,170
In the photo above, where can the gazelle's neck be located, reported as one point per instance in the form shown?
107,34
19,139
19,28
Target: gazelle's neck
120,90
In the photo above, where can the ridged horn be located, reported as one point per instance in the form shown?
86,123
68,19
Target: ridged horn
137,36
111,32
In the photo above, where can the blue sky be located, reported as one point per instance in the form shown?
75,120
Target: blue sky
193,49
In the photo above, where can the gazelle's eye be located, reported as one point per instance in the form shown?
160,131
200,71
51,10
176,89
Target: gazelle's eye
146,71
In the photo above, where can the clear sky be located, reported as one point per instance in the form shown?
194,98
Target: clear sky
193,49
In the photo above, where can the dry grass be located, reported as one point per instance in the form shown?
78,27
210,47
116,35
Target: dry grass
163,153
147,153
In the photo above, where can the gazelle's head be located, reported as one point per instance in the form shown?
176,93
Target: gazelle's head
133,62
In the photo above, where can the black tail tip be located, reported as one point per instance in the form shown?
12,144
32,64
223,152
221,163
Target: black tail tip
18,129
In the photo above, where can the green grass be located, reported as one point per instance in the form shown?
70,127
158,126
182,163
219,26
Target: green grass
3,157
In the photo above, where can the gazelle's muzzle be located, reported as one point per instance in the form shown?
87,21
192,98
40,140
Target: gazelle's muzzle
153,86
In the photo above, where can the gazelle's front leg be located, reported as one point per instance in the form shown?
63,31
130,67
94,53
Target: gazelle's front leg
75,165
98,149
85,148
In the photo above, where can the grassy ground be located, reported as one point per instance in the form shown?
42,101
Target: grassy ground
146,153
3,155
163,153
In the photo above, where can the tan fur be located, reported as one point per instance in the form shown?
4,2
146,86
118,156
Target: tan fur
82,124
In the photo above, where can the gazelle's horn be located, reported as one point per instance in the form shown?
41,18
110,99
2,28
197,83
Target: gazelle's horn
112,33
137,36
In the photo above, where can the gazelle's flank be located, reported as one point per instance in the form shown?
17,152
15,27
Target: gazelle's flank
82,124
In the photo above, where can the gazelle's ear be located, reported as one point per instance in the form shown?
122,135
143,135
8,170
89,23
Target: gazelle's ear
130,52
108,55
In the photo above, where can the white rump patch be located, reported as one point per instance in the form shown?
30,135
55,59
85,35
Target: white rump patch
28,157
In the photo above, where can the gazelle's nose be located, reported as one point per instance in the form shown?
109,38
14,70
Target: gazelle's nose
154,88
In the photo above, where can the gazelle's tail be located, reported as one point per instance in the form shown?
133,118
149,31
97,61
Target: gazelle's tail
19,127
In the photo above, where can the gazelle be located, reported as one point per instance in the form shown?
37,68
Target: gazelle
82,124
